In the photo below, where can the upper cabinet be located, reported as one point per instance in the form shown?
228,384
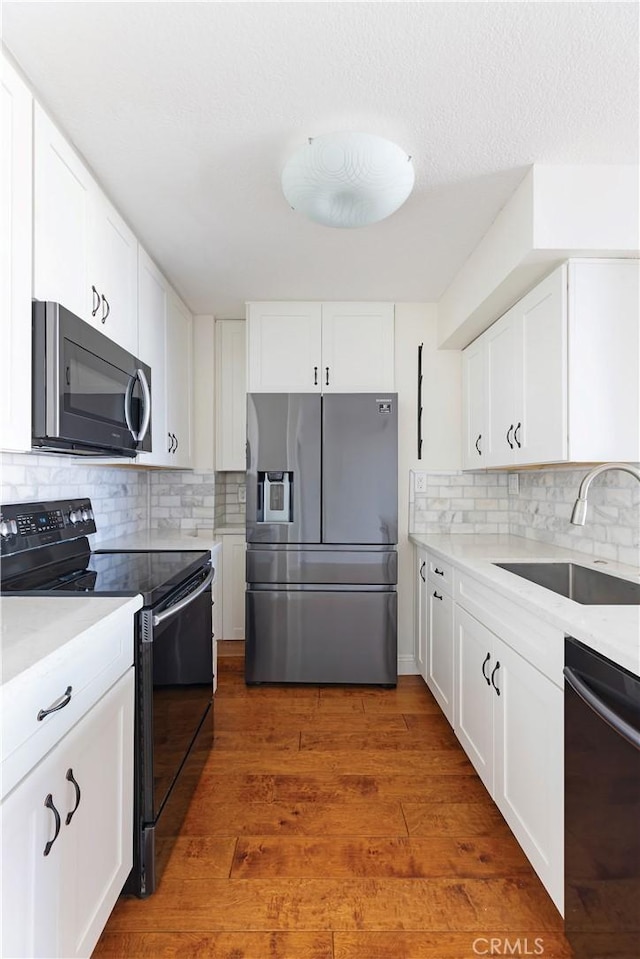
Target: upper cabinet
178,381
16,260
85,256
528,381
320,347
231,395
152,324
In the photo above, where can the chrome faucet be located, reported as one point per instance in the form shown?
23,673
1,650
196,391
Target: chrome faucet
579,514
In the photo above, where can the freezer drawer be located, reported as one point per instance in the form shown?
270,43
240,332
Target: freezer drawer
321,636
324,567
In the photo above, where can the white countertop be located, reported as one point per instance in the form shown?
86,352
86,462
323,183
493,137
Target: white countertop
34,627
164,539
613,631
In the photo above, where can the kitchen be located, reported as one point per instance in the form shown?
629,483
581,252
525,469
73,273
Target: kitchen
554,202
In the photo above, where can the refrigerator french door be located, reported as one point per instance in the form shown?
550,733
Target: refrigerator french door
322,525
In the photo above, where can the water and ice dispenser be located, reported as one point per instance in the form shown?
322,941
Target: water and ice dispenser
275,497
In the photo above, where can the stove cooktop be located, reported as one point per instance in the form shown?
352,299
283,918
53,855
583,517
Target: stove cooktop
153,575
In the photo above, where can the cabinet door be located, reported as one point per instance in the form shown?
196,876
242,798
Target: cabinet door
541,372
99,838
32,891
473,714
152,320
503,392
440,649
421,611
284,347
16,277
233,586
178,381
529,763
474,403
62,195
113,269
231,395
357,347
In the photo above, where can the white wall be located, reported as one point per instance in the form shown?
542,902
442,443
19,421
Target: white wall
417,323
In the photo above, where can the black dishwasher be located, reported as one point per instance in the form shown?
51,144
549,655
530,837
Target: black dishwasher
602,806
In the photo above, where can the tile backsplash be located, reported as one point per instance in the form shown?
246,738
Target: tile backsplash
182,499
119,496
228,487
480,503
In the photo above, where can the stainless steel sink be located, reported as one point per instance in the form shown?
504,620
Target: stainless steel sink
587,586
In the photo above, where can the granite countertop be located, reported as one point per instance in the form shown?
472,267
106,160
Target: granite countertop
149,539
613,631
34,627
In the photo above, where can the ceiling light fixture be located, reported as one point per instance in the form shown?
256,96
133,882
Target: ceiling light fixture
348,180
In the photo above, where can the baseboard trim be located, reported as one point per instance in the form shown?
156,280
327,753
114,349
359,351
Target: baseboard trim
407,665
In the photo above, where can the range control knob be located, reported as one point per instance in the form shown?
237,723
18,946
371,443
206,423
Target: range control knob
75,516
85,515
5,529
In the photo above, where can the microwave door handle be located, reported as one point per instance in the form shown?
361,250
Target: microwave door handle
139,375
146,419
161,617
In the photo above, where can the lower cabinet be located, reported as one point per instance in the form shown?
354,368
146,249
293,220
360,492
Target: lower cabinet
420,651
509,720
67,835
233,585
439,674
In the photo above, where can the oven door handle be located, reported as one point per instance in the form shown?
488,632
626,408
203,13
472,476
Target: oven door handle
202,588
600,708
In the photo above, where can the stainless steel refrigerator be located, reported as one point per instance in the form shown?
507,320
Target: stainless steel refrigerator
322,528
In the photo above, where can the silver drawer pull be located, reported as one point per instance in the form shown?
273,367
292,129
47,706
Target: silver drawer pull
57,704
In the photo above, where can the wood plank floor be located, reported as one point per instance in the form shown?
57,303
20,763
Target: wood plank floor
338,823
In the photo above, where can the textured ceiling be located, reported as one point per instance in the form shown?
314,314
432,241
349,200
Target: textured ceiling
187,113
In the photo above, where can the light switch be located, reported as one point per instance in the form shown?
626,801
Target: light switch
242,494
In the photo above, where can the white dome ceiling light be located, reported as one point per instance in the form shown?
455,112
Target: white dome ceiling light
348,180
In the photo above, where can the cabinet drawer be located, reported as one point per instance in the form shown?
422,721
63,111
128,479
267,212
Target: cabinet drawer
440,573
539,643
90,664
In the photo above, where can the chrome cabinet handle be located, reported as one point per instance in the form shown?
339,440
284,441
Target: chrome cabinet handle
495,670
96,300
509,437
422,572
326,376
515,435
105,313
70,778
487,658
315,376
478,450
56,815
436,595
57,704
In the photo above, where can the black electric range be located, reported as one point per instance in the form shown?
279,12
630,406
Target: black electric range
45,552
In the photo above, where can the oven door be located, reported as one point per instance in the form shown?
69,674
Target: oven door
176,655
90,395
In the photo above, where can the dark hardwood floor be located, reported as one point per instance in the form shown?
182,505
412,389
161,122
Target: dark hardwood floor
338,823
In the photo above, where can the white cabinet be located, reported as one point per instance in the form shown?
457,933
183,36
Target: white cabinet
178,381
439,674
16,269
233,585
113,274
548,381
357,347
67,835
231,395
421,635
509,720
152,323
85,257
320,347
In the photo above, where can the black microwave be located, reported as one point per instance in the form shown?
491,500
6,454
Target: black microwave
90,396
